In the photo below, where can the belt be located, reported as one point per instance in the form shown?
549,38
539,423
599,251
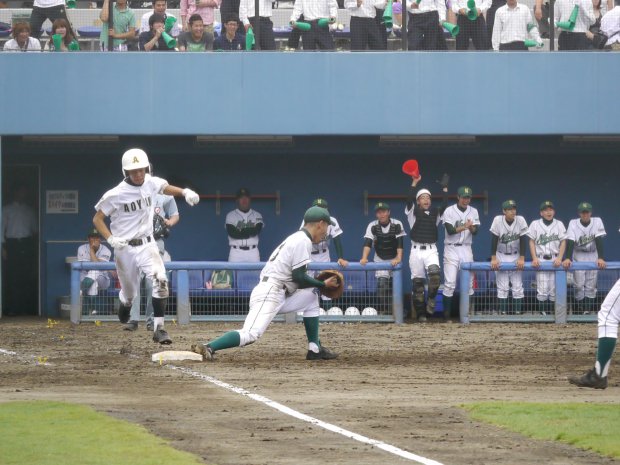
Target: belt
509,253
140,241
316,252
548,257
456,245
424,246
245,247
267,279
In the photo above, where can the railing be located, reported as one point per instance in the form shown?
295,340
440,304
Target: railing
194,298
482,306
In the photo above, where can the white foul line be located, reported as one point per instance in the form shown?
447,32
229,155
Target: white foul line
301,416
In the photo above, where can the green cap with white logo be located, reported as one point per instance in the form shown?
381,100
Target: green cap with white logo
508,204
316,214
584,207
382,206
464,191
547,204
320,203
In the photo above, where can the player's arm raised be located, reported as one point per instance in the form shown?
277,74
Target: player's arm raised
191,197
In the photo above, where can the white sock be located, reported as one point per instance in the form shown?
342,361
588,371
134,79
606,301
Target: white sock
312,347
158,322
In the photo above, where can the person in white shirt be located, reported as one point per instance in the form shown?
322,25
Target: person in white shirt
610,26
312,11
243,226
47,9
425,30
575,39
21,41
92,281
365,32
512,26
263,23
475,29
159,6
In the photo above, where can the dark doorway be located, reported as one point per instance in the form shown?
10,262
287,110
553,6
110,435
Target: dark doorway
20,248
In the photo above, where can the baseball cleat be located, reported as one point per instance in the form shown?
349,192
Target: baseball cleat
123,313
204,350
590,380
161,336
149,326
422,319
430,307
323,354
131,326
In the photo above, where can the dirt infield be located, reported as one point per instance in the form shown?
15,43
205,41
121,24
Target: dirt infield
398,384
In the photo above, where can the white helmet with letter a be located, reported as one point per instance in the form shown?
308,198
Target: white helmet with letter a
134,159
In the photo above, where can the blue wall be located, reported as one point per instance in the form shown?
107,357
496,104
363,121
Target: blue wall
309,93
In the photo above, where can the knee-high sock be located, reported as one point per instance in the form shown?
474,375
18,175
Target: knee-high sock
226,341
311,324
605,350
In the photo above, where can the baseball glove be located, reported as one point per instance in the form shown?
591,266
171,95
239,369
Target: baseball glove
332,293
160,228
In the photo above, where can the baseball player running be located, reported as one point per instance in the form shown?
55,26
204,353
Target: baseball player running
243,226
608,320
386,234
129,206
461,222
547,244
508,245
424,258
584,243
284,287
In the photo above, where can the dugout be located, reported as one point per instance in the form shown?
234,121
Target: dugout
340,141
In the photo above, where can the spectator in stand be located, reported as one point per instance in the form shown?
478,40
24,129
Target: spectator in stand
231,40
68,42
476,29
512,23
204,8
397,15
425,30
124,21
294,37
575,39
159,6
47,9
197,39
248,17
382,27
490,19
230,8
610,26
92,281
21,41
313,10
365,29
153,39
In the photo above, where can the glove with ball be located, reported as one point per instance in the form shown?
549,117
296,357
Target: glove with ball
332,292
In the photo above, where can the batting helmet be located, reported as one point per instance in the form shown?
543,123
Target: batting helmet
134,159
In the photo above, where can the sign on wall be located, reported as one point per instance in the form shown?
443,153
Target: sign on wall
61,201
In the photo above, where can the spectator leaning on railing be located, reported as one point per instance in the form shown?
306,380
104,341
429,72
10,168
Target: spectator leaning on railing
204,8
92,281
575,38
159,6
471,22
62,38
318,35
512,27
247,15
230,39
21,41
124,21
47,9
610,26
153,40
197,39
365,31
425,30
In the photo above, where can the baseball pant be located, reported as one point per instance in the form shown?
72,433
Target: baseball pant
101,281
585,280
318,38
39,15
545,284
453,256
420,259
474,30
505,278
239,255
517,46
268,300
148,290
267,39
609,314
365,34
132,263
424,32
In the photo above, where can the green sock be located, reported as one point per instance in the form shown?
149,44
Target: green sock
228,340
85,285
447,305
312,329
518,306
503,306
590,305
606,346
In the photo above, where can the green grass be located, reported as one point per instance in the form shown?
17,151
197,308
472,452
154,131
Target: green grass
587,426
42,433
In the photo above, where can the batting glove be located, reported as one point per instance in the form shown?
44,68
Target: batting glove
190,197
117,242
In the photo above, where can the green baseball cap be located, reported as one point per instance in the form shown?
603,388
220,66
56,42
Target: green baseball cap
93,233
320,203
315,214
508,204
464,191
382,206
243,192
584,207
547,204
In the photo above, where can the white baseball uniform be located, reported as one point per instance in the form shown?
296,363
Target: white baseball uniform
508,252
422,255
101,279
277,292
130,209
609,314
585,251
243,250
457,247
395,227
547,240
320,251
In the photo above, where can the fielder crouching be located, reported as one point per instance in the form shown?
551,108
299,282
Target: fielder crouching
130,209
284,287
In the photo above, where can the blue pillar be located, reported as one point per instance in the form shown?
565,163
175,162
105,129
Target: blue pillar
76,310
464,300
183,304
397,296
560,296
